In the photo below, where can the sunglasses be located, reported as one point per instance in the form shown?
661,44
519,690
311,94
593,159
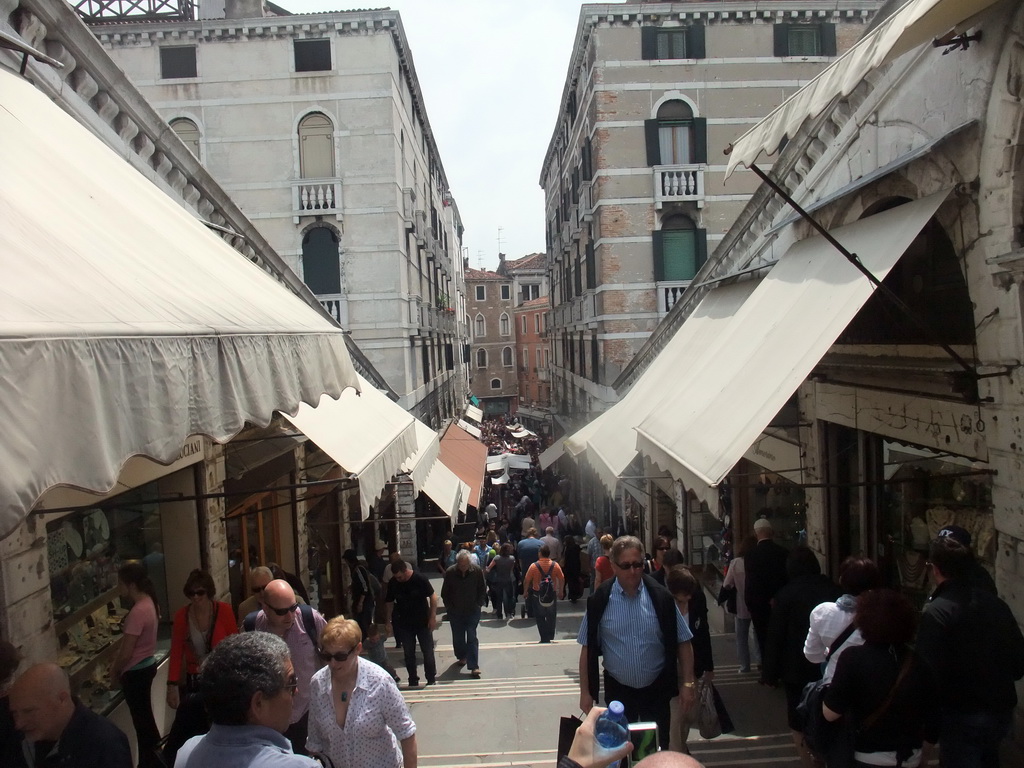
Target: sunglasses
293,684
195,593
635,566
281,611
338,657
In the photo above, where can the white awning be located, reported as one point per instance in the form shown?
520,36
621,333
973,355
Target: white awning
716,405
474,431
445,489
420,464
917,23
551,454
522,432
607,440
125,324
368,435
506,461
474,413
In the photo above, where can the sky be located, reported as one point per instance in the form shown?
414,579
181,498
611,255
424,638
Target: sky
491,73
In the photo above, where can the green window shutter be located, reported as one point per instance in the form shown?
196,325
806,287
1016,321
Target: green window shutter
653,142
700,140
658,242
648,43
679,254
828,39
782,40
701,247
695,41
588,161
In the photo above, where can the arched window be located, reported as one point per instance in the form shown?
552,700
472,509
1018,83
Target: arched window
676,133
506,357
481,358
316,147
479,327
504,325
680,257
188,132
321,262
495,383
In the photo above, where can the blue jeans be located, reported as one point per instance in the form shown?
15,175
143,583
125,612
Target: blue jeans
464,640
743,641
505,599
546,617
972,739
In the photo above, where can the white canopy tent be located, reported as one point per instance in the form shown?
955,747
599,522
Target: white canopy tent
125,324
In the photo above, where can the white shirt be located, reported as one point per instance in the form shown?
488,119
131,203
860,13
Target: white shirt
377,720
737,577
828,621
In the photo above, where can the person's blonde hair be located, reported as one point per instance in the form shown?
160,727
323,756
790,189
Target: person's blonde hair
607,541
341,631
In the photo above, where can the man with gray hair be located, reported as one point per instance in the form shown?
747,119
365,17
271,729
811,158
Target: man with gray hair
463,591
248,683
259,577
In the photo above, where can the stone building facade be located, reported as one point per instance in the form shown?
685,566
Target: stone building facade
317,127
492,352
529,276
533,354
633,178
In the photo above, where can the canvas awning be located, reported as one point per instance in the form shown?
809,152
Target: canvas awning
507,461
916,23
474,413
724,395
466,456
125,324
474,431
551,454
367,434
606,441
429,475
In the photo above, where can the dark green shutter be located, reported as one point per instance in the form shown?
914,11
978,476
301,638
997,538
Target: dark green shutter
695,41
588,161
701,246
658,243
648,43
653,142
828,39
782,40
700,140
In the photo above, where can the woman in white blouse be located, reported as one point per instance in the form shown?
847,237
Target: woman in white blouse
357,717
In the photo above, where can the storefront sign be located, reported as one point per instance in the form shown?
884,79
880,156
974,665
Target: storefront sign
776,455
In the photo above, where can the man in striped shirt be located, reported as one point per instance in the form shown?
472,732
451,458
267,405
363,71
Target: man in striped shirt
632,621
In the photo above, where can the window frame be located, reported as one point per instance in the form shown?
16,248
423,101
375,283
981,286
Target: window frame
481,355
693,37
479,322
504,325
826,40
496,381
165,63
511,357
480,292
315,49
506,292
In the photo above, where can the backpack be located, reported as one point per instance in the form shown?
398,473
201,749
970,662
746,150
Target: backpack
308,622
546,588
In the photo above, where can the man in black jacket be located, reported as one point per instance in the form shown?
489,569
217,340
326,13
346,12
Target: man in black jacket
765,567
975,649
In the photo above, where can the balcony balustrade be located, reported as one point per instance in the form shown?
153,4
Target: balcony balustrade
678,183
335,304
669,292
316,197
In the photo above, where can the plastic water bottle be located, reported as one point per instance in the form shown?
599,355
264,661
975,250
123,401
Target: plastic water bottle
612,729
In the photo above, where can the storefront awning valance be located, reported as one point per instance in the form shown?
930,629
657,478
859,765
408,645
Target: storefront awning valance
429,475
609,450
551,454
507,461
725,395
367,434
474,413
125,324
916,23
466,456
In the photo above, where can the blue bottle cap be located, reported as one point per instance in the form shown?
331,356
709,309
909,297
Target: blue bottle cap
616,707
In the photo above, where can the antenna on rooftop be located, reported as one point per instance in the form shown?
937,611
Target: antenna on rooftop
480,259
500,230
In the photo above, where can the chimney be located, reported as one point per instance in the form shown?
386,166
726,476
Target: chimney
244,9
465,263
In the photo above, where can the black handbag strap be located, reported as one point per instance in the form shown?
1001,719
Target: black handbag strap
873,717
841,638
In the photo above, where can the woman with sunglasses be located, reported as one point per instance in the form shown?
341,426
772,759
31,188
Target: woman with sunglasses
198,627
357,717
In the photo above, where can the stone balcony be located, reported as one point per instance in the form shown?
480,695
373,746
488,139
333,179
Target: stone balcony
678,183
316,197
336,305
669,292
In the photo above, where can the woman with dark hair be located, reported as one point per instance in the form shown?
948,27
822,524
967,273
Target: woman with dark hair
693,605
572,567
655,561
831,621
135,664
198,627
669,560
884,687
784,658
736,578
502,573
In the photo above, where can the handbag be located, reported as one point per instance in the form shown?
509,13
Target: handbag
808,711
708,723
567,727
728,595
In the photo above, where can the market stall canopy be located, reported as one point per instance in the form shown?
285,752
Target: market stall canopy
366,433
725,395
125,324
474,431
474,413
466,456
429,475
551,454
916,23
606,450
520,432
507,461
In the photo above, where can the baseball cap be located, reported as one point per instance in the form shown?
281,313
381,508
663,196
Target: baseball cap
957,534
761,524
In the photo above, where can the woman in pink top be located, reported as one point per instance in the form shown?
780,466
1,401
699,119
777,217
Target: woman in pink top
737,577
135,664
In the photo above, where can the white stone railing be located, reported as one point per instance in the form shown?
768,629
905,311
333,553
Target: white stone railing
669,292
336,306
677,183
313,197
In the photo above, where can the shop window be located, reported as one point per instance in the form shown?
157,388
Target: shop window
312,55
507,359
316,147
672,42
676,136
188,132
805,40
481,358
178,62
680,249
321,262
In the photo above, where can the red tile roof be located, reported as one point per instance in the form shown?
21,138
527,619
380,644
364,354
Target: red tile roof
534,303
476,275
530,261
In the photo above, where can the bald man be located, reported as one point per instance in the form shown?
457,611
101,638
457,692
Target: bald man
58,730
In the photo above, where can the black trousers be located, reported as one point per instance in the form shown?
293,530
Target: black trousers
137,686
189,720
643,704
409,636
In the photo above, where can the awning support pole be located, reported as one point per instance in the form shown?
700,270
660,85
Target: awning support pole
852,258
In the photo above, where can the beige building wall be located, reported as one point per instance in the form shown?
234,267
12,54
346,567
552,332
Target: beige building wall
492,323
